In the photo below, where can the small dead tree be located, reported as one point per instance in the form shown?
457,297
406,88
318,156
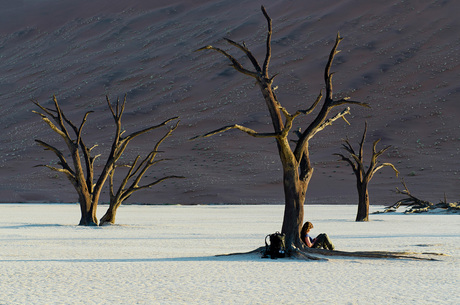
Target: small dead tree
416,205
297,168
80,171
363,176
136,172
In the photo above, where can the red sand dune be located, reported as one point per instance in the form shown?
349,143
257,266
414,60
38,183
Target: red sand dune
399,56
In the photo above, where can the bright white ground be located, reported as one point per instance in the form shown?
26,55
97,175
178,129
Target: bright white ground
165,255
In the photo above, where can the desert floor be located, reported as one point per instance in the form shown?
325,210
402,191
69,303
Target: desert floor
166,255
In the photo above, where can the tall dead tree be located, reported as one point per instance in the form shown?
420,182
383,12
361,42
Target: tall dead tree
80,171
297,168
363,176
136,172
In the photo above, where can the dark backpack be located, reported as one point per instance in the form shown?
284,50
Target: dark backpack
277,246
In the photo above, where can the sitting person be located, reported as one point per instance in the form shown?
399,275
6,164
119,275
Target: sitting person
321,241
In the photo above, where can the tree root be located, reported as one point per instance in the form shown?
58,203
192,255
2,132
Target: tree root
259,250
306,254
375,254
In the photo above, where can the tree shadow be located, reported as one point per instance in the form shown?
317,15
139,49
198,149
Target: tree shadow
22,226
209,258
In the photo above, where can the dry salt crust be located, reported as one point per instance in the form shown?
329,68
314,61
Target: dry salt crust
166,255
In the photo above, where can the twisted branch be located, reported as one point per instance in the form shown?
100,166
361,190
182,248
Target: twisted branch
239,127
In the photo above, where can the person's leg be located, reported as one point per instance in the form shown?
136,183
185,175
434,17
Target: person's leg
327,242
323,241
319,242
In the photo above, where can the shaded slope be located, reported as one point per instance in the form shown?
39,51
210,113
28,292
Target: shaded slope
397,56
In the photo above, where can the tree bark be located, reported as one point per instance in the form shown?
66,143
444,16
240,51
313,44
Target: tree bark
363,203
88,213
110,214
294,196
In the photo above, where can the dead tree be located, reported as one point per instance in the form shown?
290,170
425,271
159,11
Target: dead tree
297,168
416,205
363,176
136,172
80,171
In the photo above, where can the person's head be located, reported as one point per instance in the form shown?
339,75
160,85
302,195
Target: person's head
306,228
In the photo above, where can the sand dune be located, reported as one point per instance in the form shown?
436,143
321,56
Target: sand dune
399,56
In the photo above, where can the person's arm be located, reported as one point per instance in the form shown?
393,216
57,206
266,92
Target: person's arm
308,241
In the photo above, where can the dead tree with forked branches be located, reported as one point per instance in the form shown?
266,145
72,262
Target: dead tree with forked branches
136,172
363,176
297,168
80,171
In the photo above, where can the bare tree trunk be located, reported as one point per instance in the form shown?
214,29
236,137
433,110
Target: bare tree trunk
294,194
363,203
110,214
88,218
88,213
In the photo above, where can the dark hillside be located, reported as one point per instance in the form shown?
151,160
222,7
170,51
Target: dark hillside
399,56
